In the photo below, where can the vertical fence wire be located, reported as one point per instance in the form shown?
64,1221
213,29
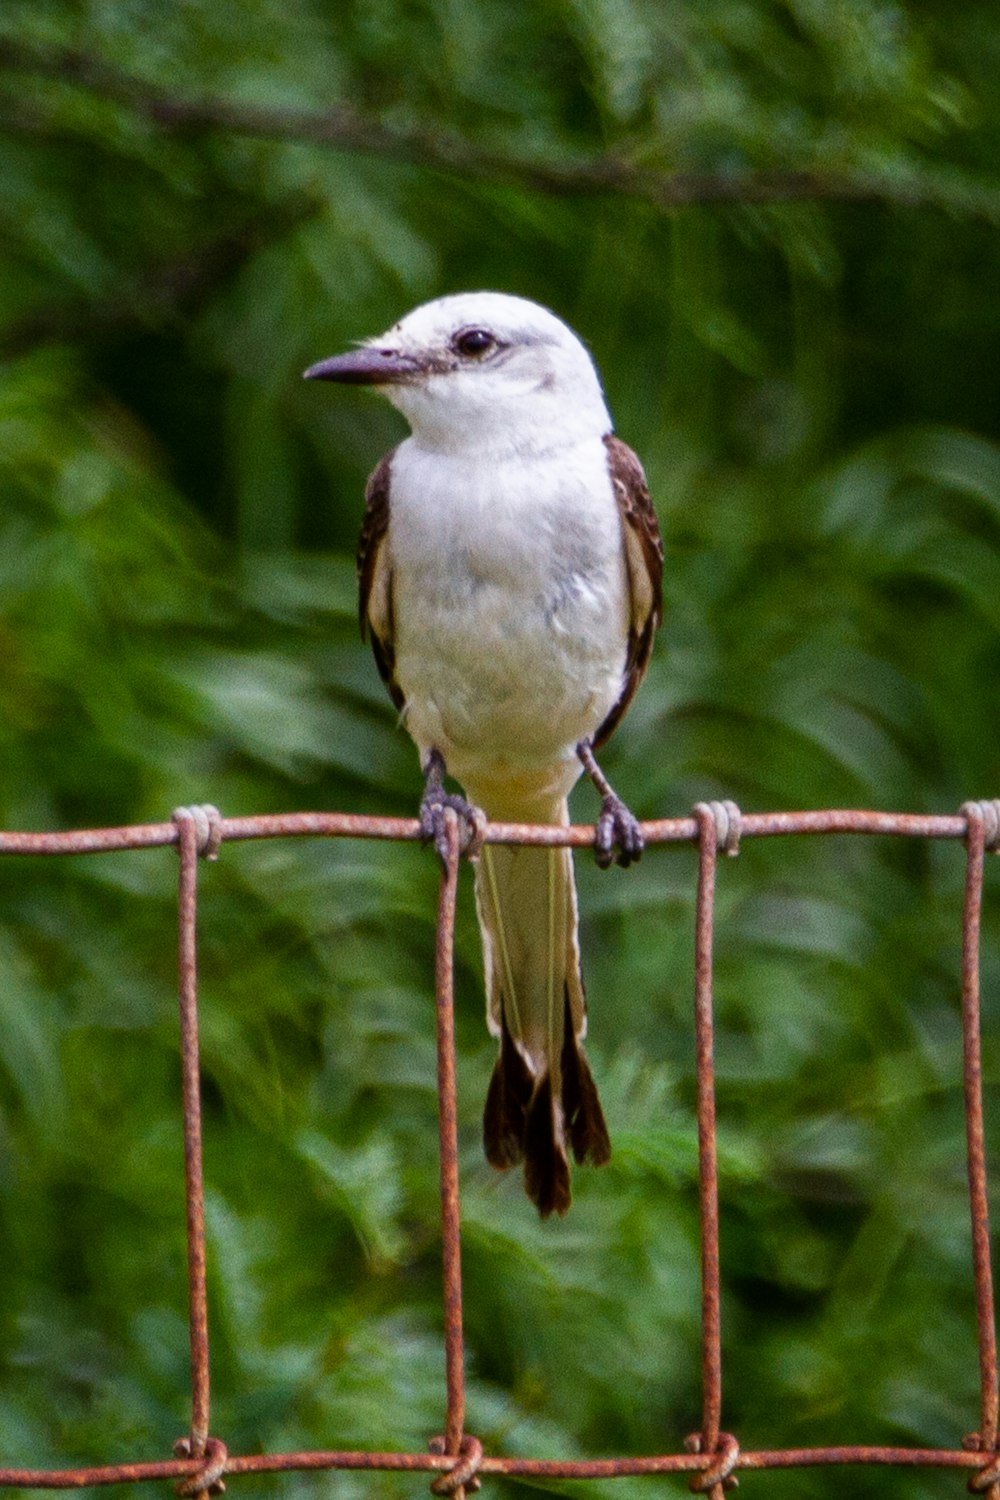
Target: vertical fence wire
986,1439
451,1255
187,910
708,1173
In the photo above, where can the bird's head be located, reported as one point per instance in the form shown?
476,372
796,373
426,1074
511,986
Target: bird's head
483,370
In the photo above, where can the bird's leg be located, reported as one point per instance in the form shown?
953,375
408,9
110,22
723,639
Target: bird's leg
618,837
433,804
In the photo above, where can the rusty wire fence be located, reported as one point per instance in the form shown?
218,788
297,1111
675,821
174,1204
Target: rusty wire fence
712,1457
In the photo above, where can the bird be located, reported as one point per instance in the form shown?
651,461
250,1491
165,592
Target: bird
510,573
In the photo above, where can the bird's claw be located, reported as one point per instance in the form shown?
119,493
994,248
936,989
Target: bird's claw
434,828
618,838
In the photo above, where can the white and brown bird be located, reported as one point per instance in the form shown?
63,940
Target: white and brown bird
510,571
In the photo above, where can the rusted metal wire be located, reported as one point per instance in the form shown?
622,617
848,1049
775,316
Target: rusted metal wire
576,836
708,1172
985,1440
451,1248
513,1468
713,1457
187,967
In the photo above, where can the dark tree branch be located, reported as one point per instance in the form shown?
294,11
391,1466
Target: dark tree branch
346,130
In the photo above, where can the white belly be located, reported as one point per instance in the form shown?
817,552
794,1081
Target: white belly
510,607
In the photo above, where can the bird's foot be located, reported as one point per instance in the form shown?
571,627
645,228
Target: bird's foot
435,803
619,837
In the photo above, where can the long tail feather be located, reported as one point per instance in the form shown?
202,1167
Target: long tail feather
588,1132
546,1168
542,1098
507,1100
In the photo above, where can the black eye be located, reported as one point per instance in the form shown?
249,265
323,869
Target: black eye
472,342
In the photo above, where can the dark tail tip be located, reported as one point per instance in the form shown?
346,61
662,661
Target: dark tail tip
546,1168
507,1101
585,1124
518,1125
519,1121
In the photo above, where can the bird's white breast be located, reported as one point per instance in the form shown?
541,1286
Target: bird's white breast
510,605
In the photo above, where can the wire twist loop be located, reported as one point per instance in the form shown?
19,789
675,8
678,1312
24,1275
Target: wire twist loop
726,1455
465,1473
988,813
473,845
208,1480
207,822
728,824
988,1476
985,1479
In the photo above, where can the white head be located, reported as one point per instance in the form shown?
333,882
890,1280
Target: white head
482,370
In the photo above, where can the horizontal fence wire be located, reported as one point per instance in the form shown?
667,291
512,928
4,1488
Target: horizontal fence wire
712,1457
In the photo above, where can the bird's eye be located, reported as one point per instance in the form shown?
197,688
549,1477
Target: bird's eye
472,342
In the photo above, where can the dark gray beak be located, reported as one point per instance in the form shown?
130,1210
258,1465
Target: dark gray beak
370,366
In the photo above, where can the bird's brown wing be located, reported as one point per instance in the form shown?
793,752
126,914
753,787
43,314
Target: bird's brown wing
375,578
644,566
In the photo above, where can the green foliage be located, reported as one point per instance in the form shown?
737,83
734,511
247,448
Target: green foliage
774,222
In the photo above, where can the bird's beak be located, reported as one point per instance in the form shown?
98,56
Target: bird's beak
372,365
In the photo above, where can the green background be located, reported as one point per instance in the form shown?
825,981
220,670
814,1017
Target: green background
776,226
